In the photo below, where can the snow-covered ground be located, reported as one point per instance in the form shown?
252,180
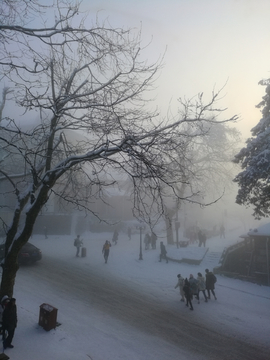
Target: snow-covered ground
86,332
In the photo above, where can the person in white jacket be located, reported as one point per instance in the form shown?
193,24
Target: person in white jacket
180,284
201,287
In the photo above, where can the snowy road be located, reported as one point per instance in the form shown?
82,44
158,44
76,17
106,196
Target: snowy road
124,302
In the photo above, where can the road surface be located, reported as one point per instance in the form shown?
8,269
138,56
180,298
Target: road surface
122,301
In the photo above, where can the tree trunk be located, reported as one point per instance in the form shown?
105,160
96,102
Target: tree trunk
14,244
10,268
169,226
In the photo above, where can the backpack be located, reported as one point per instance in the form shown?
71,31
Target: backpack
215,279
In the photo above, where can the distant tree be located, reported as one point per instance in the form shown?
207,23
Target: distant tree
85,87
207,169
254,180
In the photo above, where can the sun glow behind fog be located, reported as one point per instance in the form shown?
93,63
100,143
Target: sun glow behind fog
209,44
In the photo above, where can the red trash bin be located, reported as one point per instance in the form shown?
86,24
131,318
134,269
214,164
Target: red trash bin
47,317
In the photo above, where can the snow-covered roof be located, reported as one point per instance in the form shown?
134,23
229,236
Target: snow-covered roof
263,230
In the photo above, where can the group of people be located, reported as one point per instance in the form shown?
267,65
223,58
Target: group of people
105,249
78,243
192,287
150,240
8,320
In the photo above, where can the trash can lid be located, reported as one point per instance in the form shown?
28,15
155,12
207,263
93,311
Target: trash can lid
47,307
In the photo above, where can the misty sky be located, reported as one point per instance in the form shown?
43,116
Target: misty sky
209,43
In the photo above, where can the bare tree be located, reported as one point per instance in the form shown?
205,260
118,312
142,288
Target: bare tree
83,121
206,162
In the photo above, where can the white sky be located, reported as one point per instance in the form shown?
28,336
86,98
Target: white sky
241,309
209,43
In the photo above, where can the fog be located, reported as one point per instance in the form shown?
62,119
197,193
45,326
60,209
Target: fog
209,44
206,45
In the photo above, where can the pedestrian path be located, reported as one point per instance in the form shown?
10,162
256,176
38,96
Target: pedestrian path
212,259
190,255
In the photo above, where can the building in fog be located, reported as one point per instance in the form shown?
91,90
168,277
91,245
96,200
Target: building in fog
250,258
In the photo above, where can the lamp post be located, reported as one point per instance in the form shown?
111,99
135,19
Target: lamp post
141,227
177,224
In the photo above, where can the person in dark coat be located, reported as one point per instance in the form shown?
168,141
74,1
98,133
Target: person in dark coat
106,250
163,252
210,281
188,294
46,232
193,286
147,240
153,240
129,233
222,231
204,239
200,238
9,322
115,237
4,301
78,243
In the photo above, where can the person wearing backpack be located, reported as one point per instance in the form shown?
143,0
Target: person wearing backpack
194,286
106,250
210,280
188,294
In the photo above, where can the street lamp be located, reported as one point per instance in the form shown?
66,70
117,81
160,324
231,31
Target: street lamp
141,227
177,223
177,226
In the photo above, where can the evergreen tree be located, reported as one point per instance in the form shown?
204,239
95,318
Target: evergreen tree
254,180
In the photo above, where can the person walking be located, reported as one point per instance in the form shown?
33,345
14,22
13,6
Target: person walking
146,241
180,284
78,243
222,231
106,250
129,233
9,323
46,232
153,240
193,286
163,252
188,294
115,237
200,238
201,287
204,238
210,280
